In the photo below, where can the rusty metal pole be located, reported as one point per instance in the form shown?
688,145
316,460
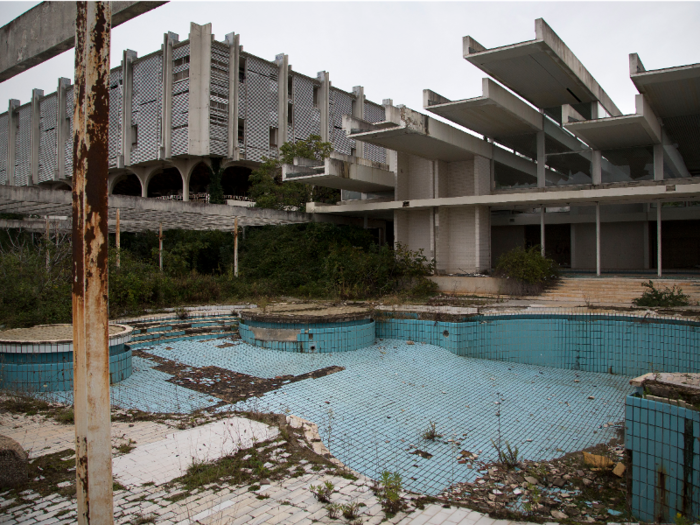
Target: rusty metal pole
117,240
235,247
160,247
93,448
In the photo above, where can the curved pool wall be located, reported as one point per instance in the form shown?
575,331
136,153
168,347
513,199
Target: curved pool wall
48,366
342,336
617,344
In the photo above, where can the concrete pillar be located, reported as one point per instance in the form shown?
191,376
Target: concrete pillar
61,128
186,167
324,103
282,62
359,112
597,239
35,137
234,64
596,167
165,151
658,162
645,229
658,238
542,229
12,125
127,101
573,245
541,159
200,87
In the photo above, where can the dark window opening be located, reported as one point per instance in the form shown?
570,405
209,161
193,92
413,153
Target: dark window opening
241,70
181,61
290,90
315,96
273,138
241,131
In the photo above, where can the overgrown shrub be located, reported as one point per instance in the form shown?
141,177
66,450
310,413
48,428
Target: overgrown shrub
656,297
528,268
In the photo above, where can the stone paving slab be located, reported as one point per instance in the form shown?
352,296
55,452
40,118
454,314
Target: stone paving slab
163,460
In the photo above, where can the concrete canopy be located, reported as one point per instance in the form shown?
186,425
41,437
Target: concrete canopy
417,134
496,113
543,71
139,214
674,94
627,131
341,172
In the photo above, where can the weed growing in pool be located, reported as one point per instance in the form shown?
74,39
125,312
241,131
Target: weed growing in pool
431,432
65,416
508,458
389,492
323,492
666,297
535,496
681,520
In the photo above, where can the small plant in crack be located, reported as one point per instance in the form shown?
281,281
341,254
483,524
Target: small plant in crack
127,447
389,492
350,510
323,492
333,511
431,432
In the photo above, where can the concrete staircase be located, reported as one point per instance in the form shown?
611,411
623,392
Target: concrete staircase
611,290
171,328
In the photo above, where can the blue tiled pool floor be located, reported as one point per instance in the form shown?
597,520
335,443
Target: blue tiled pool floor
371,413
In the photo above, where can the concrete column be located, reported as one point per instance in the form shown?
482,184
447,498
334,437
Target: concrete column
597,239
324,104
573,245
658,238
282,62
542,229
12,125
61,128
128,58
596,167
185,167
647,262
359,112
541,159
35,137
234,63
166,140
200,87
658,162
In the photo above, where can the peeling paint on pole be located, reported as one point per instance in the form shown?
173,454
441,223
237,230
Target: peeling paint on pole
90,270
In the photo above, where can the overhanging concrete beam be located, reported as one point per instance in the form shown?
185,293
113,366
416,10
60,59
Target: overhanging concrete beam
47,30
558,197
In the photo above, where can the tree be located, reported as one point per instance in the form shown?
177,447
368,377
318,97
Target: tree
268,190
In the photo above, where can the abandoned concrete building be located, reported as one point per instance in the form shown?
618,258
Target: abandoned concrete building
175,102
548,158
550,161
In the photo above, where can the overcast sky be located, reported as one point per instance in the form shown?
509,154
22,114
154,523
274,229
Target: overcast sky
397,49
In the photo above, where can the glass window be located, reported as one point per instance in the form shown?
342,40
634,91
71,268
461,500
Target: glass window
627,165
565,169
508,177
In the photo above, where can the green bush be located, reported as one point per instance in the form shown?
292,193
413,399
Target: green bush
664,298
528,268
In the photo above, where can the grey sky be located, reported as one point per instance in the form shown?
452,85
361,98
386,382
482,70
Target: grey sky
396,49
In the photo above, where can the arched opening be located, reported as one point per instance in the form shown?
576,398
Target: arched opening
235,182
128,185
199,182
166,185
63,187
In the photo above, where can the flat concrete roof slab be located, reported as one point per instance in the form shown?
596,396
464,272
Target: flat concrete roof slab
543,71
407,141
672,92
615,132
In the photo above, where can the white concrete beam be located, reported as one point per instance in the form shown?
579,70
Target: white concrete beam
47,30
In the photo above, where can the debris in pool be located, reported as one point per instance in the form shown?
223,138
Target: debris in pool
591,397
422,453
